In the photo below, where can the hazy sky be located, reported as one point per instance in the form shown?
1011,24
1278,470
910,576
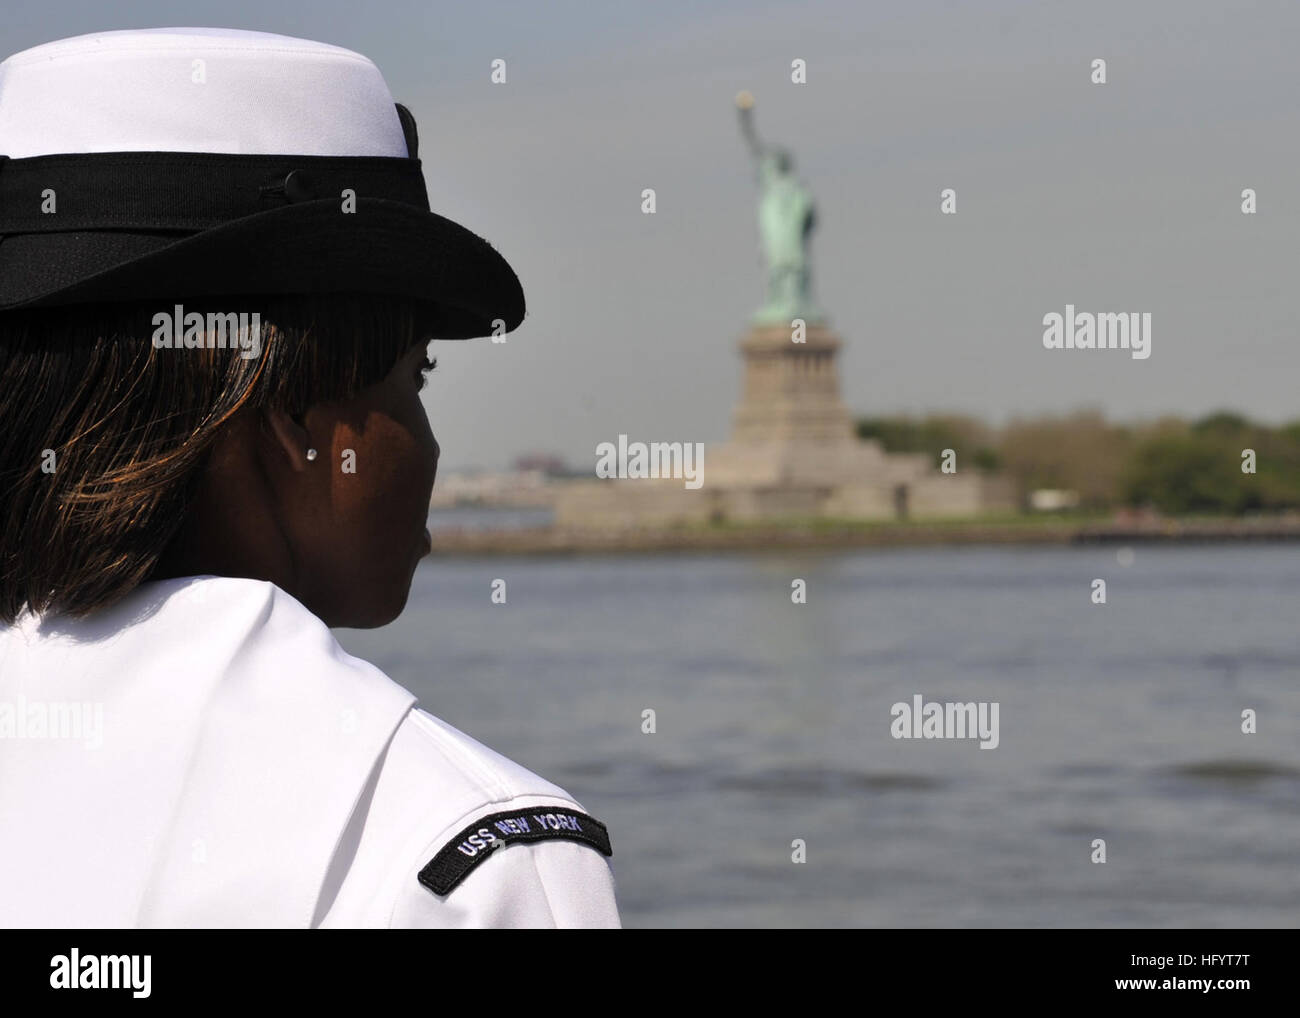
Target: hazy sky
1121,197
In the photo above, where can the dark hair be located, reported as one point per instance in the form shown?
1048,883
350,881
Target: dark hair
103,436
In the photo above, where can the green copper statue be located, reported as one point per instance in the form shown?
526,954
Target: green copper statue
786,218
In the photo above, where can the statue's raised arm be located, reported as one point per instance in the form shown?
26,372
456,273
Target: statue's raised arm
745,107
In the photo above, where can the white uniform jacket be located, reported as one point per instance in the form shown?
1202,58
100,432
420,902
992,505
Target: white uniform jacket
205,754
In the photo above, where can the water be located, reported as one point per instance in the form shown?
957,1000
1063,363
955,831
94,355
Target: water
1119,721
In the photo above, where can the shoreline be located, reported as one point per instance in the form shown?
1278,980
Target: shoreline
545,541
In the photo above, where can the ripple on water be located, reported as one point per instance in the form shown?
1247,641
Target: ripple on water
1235,771
823,781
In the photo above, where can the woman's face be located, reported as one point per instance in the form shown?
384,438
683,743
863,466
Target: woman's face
355,516
342,532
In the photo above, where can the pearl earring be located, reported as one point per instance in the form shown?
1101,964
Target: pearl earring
311,454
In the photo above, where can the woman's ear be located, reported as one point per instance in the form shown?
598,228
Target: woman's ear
290,437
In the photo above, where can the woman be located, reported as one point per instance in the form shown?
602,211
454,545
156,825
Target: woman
213,449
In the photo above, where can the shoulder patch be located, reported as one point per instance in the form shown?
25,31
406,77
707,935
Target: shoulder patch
456,859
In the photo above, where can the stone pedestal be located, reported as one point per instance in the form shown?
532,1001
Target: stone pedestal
791,391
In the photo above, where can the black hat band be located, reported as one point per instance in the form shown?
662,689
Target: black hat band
186,192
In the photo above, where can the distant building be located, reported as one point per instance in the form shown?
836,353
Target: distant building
544,462
517,489
1053,499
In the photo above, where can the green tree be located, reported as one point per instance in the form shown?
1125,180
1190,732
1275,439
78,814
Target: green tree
969,437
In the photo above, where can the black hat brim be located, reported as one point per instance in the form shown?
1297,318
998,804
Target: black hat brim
384,247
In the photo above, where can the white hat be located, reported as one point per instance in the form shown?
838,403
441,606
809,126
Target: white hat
174,162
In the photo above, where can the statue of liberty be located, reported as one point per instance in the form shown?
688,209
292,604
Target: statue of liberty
786,218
